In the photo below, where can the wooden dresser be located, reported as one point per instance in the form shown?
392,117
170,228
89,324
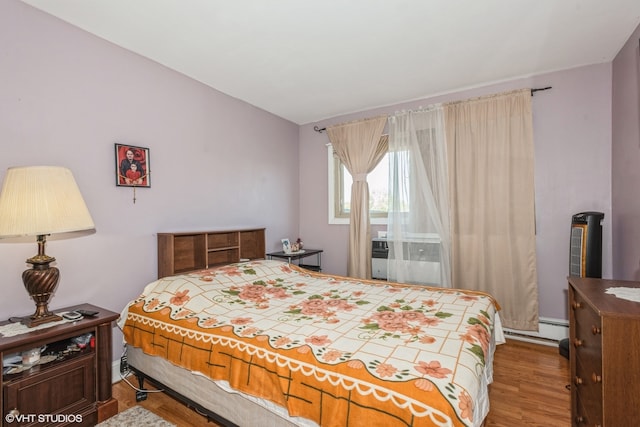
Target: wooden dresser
604,354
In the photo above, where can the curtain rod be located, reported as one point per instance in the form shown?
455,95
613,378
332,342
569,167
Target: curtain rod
539,89
320,130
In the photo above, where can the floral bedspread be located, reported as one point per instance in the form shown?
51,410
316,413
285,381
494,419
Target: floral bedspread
336,350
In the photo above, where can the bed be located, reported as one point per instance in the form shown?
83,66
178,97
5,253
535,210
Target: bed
269,343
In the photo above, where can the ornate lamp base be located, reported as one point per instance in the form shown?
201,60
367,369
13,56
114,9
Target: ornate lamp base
41,282
33,321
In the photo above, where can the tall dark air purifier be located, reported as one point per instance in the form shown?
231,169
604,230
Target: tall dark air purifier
585,249
585,252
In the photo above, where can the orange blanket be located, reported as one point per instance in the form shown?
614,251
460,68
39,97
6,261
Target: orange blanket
335,350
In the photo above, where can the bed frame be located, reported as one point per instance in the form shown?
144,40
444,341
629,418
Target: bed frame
230,409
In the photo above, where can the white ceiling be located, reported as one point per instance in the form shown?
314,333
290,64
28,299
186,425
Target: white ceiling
308,60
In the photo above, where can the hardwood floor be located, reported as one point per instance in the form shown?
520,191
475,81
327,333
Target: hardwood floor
529,389
158,403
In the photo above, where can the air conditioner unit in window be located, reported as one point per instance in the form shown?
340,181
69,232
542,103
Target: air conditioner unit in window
379,255
420,259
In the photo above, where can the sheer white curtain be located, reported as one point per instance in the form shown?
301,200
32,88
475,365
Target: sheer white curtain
418,221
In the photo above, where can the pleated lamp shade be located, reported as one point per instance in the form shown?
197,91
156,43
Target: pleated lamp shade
41,200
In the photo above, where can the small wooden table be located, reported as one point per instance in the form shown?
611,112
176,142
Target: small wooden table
80,379
291,256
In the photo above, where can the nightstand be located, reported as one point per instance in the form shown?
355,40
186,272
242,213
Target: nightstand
71,383
298,256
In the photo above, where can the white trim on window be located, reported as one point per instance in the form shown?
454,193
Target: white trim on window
332,202
333,219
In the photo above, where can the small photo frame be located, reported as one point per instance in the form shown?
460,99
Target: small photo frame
286,246
132,166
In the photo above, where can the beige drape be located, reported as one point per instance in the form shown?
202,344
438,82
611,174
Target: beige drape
360,146
490,156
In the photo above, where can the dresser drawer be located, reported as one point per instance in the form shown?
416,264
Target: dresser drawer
584,314
586,414
604,356
588,384
586,336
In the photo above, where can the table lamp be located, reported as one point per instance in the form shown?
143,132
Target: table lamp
40,201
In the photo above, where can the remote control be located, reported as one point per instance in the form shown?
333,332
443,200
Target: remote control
88,313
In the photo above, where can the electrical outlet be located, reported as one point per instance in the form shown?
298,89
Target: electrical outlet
124,365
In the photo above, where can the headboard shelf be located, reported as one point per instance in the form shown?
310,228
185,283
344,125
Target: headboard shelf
189,251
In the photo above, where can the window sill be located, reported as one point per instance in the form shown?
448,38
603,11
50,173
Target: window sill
343,221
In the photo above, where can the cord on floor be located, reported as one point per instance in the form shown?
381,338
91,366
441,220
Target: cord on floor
125,372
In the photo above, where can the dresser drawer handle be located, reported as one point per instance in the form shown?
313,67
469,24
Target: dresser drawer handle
576,305
595,330
579,419
577,342
596,378
577,380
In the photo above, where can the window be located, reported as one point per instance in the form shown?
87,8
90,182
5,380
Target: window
340,191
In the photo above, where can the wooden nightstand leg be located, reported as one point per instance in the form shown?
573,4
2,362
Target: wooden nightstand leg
107,405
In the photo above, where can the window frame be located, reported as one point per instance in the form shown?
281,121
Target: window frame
336,196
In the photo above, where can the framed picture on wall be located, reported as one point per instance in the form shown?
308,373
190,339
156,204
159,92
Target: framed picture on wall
132,166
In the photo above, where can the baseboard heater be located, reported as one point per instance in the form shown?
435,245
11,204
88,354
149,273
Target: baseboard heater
550,332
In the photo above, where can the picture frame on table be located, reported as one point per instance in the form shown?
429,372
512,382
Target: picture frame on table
286,246
132,166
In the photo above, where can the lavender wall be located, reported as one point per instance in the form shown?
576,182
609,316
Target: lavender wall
66,97
572,132
626,161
